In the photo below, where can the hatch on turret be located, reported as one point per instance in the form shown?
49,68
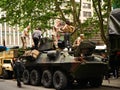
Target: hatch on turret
46,44
53,55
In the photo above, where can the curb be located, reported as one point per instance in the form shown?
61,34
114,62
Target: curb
110,86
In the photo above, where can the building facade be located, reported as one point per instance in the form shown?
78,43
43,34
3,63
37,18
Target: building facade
11,35
86,10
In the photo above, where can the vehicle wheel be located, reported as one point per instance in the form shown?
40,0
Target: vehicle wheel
10,75
26,77
5,74
35,77
95,82
47,78
59,80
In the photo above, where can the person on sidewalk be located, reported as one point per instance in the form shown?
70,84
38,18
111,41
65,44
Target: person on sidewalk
114,64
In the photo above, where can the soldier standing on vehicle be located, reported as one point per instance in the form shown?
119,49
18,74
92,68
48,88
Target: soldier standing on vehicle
36,36
67,30
25,34
18,71
56,32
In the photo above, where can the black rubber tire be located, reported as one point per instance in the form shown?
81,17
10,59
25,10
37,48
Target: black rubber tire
5,74
10,75
26,77
97,82
34,78
46,79
59,80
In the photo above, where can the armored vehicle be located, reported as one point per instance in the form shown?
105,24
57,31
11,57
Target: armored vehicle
60,68
6,70
6,61
114,41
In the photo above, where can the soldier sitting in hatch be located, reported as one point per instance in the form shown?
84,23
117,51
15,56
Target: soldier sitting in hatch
78,41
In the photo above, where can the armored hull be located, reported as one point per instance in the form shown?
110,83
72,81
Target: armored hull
59,69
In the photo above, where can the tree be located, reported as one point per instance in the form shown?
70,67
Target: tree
90,27
102,10
23,12
43,12
116,4
102,16
40,12
70,9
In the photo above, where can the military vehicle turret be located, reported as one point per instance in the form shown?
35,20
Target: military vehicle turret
59,68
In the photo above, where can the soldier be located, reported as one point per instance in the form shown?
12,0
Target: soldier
77,41
18,71
56,32
36,36
67,30
24,35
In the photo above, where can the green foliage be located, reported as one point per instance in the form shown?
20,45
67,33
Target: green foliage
102,11
43,12
24,12
90,27
38,12
116,4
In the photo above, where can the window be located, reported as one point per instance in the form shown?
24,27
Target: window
89,0
86,14
87,5
7,61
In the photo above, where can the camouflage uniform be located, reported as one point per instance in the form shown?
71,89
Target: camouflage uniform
18,70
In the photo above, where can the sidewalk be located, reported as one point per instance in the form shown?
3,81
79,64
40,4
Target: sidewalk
112,82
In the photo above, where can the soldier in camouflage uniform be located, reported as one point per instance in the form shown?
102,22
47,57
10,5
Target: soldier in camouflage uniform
18,70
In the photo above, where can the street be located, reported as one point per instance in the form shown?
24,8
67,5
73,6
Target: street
11,85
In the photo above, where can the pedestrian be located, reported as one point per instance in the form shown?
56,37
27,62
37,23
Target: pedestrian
25,34
36,36
114,63
18,68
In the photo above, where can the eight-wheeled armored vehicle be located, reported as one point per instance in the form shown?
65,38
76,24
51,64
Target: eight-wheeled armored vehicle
114,41
60,68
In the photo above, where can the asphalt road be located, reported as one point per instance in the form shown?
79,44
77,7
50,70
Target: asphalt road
11,85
